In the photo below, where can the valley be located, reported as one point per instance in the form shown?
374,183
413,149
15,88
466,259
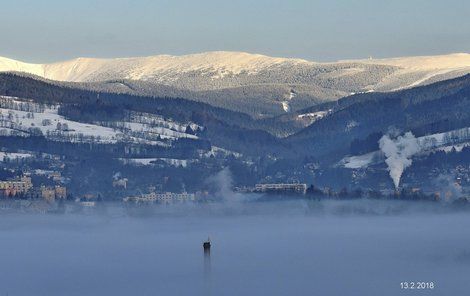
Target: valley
176,144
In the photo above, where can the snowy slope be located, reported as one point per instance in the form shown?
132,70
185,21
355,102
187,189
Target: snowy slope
17,66
217,65
423,68
23,118
304,83
212,64
420,63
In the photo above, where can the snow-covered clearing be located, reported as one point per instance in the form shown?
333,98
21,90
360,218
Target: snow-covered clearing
24,118
12,156
152,161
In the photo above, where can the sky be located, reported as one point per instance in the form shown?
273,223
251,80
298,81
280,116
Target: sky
53,30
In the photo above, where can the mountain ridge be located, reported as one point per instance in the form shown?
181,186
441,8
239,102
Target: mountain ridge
233,62
258,85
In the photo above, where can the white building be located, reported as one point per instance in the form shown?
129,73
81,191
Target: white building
298,188
166,198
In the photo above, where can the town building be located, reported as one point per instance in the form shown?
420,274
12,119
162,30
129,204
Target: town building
60,192
47,193
120,183
53,193
15,187
165,198
281,188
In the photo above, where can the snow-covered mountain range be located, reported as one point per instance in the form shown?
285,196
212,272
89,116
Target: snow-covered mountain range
255,84
163,69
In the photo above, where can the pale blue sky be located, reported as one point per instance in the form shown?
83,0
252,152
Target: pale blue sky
50,30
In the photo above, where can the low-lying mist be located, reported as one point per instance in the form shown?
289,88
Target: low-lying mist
300,247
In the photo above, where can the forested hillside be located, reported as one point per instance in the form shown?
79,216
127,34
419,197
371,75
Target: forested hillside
331,144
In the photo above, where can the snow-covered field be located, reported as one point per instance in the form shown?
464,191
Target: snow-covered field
360,161
12,156
440,139
152,161
314,116
23,118
50,124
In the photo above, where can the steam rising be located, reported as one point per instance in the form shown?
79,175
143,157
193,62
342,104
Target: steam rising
222,184
398,153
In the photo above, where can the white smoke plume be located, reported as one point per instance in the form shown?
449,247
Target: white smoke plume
398,153
221,184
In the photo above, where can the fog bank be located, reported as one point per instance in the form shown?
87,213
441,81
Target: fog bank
259,248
